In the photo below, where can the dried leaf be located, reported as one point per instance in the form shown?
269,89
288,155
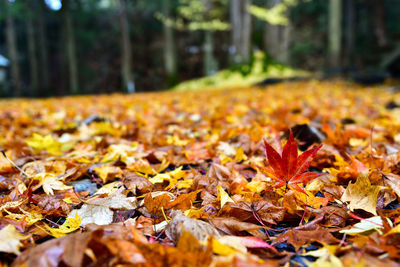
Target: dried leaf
99,210
222,196
199,229
361,195
10,240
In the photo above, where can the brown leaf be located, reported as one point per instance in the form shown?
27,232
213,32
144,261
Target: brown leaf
137,184
155,205
232,226
53,205
246,211
298,238
183,202
67,249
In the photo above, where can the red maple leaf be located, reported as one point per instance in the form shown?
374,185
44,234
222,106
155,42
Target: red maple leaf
290,168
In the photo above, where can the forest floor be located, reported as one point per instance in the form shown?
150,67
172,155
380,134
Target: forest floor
302,173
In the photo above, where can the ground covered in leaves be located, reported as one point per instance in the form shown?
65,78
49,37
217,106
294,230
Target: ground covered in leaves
303,173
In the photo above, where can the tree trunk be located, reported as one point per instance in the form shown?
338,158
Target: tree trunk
335,32
12,50
126,56
349,32
170,50
71,51
43,56
380,23
241,30
210,64
30,36
277,38
271,34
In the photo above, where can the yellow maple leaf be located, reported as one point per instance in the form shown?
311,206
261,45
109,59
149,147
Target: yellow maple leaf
223,249
48,143
174,179
70,225
196,213
105,171
362,195
223,196
30,217
142,167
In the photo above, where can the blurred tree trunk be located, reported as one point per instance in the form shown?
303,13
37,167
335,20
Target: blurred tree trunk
71,51
210,64
209,60
335,32
12,49
241,30
126,56
170,50
30,36
271,34
380,23
349,32
43,56
277,38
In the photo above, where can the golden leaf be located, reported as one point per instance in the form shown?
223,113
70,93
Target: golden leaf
362,195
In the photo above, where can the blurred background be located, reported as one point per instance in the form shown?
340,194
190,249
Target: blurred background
62,47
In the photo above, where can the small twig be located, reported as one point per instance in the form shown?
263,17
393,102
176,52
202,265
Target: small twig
50,221
302,217
343,241
12,163
362,219
120,217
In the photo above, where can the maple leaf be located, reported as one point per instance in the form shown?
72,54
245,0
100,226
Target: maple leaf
290,168
70,225
362,195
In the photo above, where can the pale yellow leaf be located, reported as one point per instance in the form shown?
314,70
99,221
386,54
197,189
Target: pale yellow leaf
223,196
361,195
10,240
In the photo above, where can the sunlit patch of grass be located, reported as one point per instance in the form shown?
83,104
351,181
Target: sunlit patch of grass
243,75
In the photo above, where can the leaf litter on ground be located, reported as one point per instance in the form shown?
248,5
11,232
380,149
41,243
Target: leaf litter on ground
302,173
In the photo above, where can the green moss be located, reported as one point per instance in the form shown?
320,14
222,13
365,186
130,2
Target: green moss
258,70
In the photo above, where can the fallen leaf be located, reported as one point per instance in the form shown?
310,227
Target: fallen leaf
289,168
199,229
361,195
99,210
10,240
369,224
69,226
222,196
299,238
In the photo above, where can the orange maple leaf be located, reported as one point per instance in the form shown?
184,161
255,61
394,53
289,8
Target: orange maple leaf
290,168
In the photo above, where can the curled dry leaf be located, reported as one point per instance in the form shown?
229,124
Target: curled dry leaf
179,223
